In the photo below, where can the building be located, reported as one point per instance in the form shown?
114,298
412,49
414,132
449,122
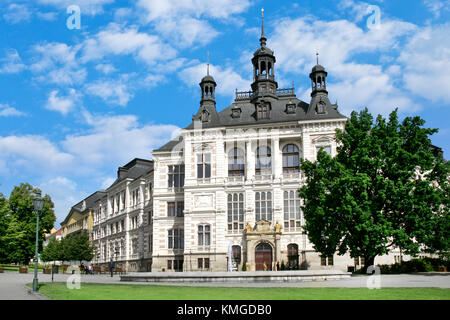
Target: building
122,228
80,216
224,192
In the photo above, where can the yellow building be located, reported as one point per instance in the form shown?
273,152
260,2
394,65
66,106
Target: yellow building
80,216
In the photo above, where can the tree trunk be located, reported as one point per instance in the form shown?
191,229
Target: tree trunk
368,261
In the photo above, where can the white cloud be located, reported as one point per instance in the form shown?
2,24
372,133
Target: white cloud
47,16
227,79
184,23
354,85
16,13
111,91
64,192
57,63
117,40
116,139
8,111
12,63
89,7
64,105
105,68
426,61
33,153
436,6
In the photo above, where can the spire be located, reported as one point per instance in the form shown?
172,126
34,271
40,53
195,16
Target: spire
207,69
317,56
263,38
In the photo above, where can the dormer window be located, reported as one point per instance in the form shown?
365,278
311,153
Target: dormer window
263,111
290,108
320,107
236,112
205,116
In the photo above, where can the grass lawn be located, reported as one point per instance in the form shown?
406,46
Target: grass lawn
93,291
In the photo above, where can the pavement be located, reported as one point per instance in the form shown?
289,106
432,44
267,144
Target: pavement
13,284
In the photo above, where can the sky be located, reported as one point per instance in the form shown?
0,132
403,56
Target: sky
84,92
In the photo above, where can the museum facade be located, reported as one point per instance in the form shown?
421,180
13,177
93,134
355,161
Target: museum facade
224,194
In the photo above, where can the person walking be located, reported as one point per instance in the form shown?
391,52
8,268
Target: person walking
111,267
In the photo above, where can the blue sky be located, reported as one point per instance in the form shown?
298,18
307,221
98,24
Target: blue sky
77,103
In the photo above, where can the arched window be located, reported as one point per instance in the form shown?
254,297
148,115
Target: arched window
236,250
290,158
236,162
263,161
293,256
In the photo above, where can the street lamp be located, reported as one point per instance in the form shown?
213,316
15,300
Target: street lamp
38,203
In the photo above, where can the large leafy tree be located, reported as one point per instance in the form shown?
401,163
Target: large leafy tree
387,187
4,223
79,247
22,227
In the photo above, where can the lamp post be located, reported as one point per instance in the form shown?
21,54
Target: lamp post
38,203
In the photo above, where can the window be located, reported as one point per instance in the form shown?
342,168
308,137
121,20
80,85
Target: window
203,263
292,212
175,209
326,261
123,200
203,165
176,239
235,212
323,143
176,176
263,161
180,208
135,197
205,116
263,111
175,265
236,250
236,162
292,256
263,204
150,243
290,158
320,107
171,209
204,235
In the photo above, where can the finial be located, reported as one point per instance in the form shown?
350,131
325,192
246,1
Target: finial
317,56
207,69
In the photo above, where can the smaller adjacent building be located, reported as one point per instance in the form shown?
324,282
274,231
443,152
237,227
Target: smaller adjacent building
80,216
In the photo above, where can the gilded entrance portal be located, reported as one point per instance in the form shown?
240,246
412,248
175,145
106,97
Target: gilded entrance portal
263,246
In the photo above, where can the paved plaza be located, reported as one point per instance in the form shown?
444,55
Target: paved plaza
13,285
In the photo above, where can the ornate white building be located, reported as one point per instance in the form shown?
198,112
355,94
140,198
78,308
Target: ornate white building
227,187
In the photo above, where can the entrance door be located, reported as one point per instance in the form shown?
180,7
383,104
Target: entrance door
263,254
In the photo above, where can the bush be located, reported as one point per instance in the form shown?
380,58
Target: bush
283,267
244,267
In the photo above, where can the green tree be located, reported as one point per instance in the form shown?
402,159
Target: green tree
387,187
22,231
51,252
80,247
4,223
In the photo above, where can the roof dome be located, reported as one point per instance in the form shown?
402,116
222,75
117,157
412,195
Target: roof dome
208,78
263,51
318,68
